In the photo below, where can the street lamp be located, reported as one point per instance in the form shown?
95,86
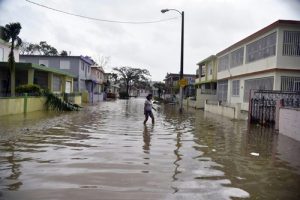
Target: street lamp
181,57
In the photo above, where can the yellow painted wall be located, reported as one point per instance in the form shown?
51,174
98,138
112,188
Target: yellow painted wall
36,103
78,100
11,106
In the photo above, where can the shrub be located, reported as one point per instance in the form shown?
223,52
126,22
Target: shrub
30,89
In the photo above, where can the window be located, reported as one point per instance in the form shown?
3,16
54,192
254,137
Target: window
56,83
64,64
44,62
222,90
237,57
235,88
265,83
82,66
203,70
291,84
209,68
1,54
262,48
291,43
223,63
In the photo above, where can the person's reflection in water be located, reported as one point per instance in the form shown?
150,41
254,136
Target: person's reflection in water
147,138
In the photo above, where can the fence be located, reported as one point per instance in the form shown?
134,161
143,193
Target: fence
262,105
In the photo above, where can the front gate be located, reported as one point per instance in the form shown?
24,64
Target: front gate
262,105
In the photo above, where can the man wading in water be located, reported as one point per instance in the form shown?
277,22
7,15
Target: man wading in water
148,109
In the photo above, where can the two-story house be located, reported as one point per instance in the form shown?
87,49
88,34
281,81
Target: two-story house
206,83
80,66
268,59
97,82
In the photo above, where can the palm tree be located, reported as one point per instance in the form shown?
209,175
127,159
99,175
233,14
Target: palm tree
11,32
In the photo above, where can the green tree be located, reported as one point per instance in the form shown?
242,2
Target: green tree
11,34
63,53
47,49
131,76
161,87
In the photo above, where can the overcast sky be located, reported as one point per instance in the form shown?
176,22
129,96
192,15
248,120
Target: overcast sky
210,26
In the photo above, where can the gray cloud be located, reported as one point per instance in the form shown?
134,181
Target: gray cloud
210,26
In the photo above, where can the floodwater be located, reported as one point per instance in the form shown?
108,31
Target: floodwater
105,152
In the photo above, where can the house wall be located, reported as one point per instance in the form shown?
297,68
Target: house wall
78,67
4,52
289,123
286,62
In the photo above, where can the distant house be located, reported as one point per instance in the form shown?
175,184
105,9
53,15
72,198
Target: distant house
206,83
97,83
172,84
80,66
268,59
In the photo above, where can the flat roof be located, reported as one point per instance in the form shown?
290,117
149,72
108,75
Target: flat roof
26,66
207,59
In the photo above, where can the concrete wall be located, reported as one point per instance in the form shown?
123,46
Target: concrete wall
232,111
9,106
201,98
289,123
17,105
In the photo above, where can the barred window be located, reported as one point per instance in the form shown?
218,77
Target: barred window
237,57
291,43
223,63
222,90
291,84
236,88
265,83
262,48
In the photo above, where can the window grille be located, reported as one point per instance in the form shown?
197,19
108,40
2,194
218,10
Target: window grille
222,90
265,83
291,43
291,84
223,63
237,57
262,48
236,88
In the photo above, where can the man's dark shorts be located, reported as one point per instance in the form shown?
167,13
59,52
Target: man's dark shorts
148,113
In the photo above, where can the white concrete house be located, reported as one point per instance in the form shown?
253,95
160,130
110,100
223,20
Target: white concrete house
5,50
268,59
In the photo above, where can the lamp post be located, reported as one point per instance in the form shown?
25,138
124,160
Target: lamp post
181,56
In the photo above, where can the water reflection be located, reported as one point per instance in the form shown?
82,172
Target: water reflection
106,152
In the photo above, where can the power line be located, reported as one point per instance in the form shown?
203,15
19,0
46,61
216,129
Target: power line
102,20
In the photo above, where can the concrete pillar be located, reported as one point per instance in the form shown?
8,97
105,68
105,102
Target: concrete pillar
30,76
63,83
237,114
279,105
50,81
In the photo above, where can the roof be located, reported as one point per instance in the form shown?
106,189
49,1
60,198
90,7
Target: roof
172,74
26,66
84,58
207,59
268,28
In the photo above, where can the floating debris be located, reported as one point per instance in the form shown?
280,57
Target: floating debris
254,154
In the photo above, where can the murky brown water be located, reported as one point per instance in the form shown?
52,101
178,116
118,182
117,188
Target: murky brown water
105,152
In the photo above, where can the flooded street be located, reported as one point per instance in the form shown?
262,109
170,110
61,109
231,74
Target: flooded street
105,152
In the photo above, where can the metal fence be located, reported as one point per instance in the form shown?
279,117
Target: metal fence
262,104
